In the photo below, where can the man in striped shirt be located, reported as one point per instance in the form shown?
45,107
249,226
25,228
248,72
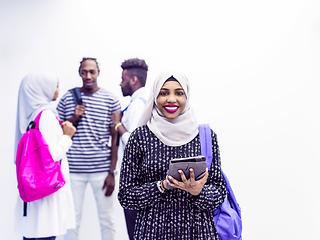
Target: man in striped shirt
91,159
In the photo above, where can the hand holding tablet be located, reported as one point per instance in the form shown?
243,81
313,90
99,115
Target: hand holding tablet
197,163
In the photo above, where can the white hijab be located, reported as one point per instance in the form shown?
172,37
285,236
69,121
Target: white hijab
35,94
172,132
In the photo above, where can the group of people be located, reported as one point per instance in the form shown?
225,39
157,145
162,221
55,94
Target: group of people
144,136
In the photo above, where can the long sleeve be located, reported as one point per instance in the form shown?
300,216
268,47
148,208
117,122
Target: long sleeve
214,191
134,194
54,214
131,118
146,161
59,144
165,215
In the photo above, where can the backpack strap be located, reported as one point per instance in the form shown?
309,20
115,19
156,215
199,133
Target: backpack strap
142,99
35,124
122,111
32,125
37,120
206,143
206,150
76,94
24,209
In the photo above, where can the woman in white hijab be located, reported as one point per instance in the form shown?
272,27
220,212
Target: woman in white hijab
52,215
168,129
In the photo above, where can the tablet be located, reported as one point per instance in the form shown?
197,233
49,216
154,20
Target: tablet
198,163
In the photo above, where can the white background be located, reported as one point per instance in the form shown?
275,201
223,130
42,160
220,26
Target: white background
254,72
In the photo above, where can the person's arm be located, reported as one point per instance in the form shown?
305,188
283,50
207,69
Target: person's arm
134,113
207,192
78,113
133,193
48,126
114,149
116,121
62,108
214,191
109,182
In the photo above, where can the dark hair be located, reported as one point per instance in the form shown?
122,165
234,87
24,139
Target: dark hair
89,58
171,79
136,67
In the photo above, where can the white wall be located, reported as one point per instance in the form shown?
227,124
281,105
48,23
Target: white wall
254,72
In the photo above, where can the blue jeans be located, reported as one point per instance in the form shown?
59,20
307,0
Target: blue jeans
45,238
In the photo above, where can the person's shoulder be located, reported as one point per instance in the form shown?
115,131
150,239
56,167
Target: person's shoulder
107,93
141,131
47,114
66,94
213,135
142,128
139,102
139,134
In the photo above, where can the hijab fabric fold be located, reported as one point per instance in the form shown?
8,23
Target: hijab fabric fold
172,132
35,94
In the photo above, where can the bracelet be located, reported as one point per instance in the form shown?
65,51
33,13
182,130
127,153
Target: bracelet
117,126
159,187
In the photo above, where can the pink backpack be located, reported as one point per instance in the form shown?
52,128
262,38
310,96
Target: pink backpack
38,174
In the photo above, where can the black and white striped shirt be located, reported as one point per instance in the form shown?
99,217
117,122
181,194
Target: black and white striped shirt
90,152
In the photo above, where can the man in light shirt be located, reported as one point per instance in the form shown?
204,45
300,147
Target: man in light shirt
134,76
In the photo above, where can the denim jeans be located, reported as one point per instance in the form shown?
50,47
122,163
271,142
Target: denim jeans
44,238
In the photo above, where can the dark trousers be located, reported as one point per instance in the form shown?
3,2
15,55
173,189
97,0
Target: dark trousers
45,238
130,216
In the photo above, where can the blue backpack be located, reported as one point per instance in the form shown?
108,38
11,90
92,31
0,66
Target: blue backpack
227,217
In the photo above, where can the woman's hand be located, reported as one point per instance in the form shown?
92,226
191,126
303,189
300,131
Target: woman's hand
190,185
68,128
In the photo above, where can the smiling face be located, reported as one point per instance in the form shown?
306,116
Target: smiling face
89,73
172,99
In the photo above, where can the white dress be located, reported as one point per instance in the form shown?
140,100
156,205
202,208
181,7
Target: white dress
52,215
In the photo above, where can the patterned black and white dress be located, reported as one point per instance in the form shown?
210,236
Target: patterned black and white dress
174,214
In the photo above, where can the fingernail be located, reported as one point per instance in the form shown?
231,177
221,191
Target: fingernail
179,171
